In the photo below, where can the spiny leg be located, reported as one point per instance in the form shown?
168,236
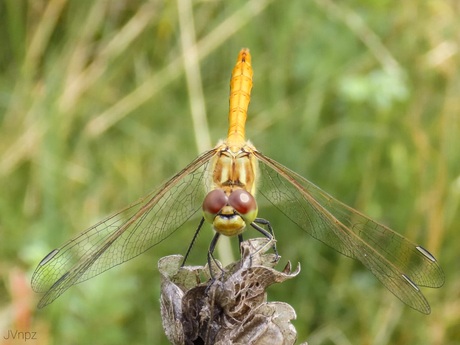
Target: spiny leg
240,240
193,241
269,234
212,246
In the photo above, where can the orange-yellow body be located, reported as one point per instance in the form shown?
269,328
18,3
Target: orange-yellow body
234,165
240,95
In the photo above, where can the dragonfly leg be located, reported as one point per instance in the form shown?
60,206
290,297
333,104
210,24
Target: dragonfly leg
212,246
193,241
240,240
269,234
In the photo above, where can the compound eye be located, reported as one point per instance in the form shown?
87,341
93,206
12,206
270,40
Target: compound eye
244,203
214,201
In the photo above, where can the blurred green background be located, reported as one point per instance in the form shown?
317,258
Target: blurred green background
102,101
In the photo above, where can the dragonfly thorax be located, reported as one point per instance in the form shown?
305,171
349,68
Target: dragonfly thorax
234,169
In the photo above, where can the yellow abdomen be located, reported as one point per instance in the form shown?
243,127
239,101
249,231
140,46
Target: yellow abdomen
240,95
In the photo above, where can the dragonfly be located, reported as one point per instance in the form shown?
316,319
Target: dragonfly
224,183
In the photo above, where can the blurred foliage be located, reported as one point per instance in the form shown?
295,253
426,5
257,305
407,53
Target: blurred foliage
97,108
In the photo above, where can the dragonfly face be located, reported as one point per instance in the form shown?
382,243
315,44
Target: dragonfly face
222,182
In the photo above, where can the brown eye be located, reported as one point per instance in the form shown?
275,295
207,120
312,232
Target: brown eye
242,201
214,201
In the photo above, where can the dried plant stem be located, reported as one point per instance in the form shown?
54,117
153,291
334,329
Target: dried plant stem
232,308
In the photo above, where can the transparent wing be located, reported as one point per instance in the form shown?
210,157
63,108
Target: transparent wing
397,262
125,234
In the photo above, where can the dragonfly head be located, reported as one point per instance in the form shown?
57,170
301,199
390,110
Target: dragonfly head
229,215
